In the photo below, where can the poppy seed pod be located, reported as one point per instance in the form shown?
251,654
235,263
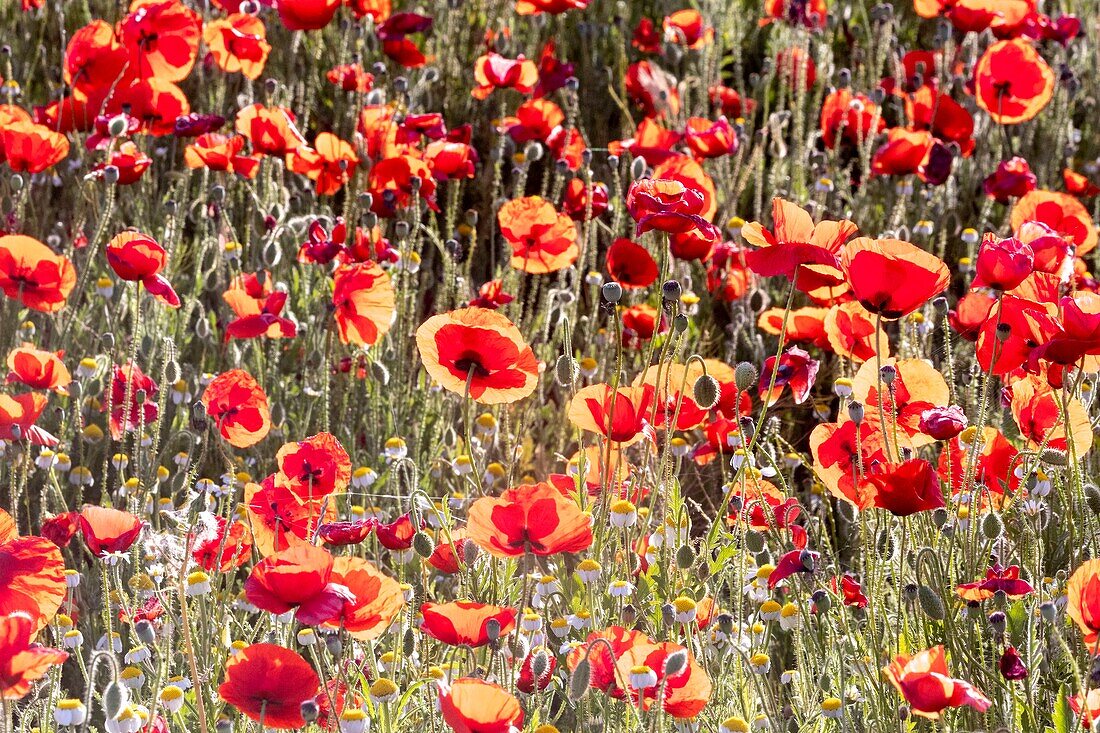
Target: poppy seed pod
470,552
680,323
334,646
566,370
110,174
671,290
754,541
16,182
629,615
668,614
310,710
931,603
612,292
1004,330
855,412
706,391
580,679
888,374
744,375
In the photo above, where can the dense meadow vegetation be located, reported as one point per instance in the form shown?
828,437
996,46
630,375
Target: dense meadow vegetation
549,365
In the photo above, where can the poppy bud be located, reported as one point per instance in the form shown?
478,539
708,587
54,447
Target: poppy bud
671,290
680,323
806,558
675,663
931,603
408,642
1048,611
533,151
903,712
1003,263
997,621
754,541
1053,457
310,710
992,526
1092,498
580,679
117,126
612,292
469,553
942,423
637,168
16,182
539,665
706,391
423,544
744,375
414,183
566,370
855,412
629,615
822,601
401,229
668,614
885,543
115,699
685,556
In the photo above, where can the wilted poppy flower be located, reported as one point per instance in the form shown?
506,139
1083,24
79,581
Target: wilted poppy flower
669,206
478,353
34,576
313,468
239,408
137,257
330,162
229,546
31,148
892,278
542,239
1011,666
364,301
38,369
377,598
1006,580
687,28
307,15
238,44
1061,212
902,488
630,264
471,705
1012,179
1012,82
465,622
269,683
33,274
493,71
21,662
795,369
928,688
271,130
109,531
299,579
803,252
1003,263
532,518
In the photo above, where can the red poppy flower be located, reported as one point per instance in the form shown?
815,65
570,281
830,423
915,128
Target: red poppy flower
271,130
1029,325
493,71
692,245
351,78
795,369
687,28
61,529
221,153
1012,179
553,73
809,14
109,531
451,161
584,201
129,382
94,61
228,548
396,535
395,181
1078,184
542,239
479,353
239,408
892,278
651,142
669,206
269,683
364,301
351,532
796,67
1059,211
465,622
601,649
996,579
1046,418
532,518
377,598
298,578
851,590
653,89
471,705
129,162
970,314
804,325
238,44
710,139
38,369
313,468
155,103
854,117
491,295
32,576
798,248
280,520
1012,82
33,274
22,662
1078,333
853,334
448,556
928,688
903,153
621,415
535,119
307,15
526,682
1083,595
917,386
689,172
945,118
683,695
839,450
646,38
729,101
137,257
330,162
1003,263
630,264
902,488
258,308
162,38
19,412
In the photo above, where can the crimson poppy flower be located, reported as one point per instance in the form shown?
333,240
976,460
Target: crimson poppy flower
229,547
271,130
1006,580
542,239
269,683
688,171
554,73
109,531
729,101
471,705
298,578
351,532
531,518
728,278
61,529
669,206
1083,596
451,161
653,89
620,415
128,161
852,333
1012,179
1061,212
239,408
1078,332
493,71
33,274
19,413
710,139
313,468
162,38
38,369
582,201
330,162
1011,666
465,622
892,278
221,153
478,353
851,591
396,535
21,661
938,113
551,7
395,181
795,369
796,561
942,423
351,78
377,598
692,245
94,61
307,15
1003,263
798,249
796,67
364,303
630,264
137,257
902,488
33,574
238,43
1012,82
1029,325
155,103
854,117
646,38
131,394
924,682
491,295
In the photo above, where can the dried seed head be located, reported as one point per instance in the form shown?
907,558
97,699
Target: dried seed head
612,292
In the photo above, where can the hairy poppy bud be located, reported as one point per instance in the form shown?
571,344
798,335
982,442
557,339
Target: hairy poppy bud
931,603
110,174
685,556
992,526
566,370
539,665
675,663
1092,498
334,646
117,126
744,375
822,601
16,182
408,642
580,679
706,391
637,168
423,544
469,553
115,699
754,541
1053,457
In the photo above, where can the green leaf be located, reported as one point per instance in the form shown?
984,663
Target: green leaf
1062,717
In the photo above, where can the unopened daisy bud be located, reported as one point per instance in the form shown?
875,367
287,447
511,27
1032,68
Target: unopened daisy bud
383,690
70,712
72,639
72,578
588,367
706,391
744,375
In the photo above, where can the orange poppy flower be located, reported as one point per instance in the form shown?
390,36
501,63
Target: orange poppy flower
1006,580
239,408
682,696
1079,184
298,578
279,519
1061,212
395,182
892,278
465,622
839,449
710,139
928,688
269,683
852,334
1012,82
109,531
21,661
94,61
351,78
478,352
313,468
221,153
620,415
228,548
1083,596
271,130
330,162
917,386
542,239
378,598
687,28
804,325
493,71
258,308
471,705
33,575
162,37
531,518
851,116
1043,419
19,412
238,43
31,148
798,249
363,298
38,369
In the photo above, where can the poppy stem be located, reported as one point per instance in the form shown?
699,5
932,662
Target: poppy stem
263,714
